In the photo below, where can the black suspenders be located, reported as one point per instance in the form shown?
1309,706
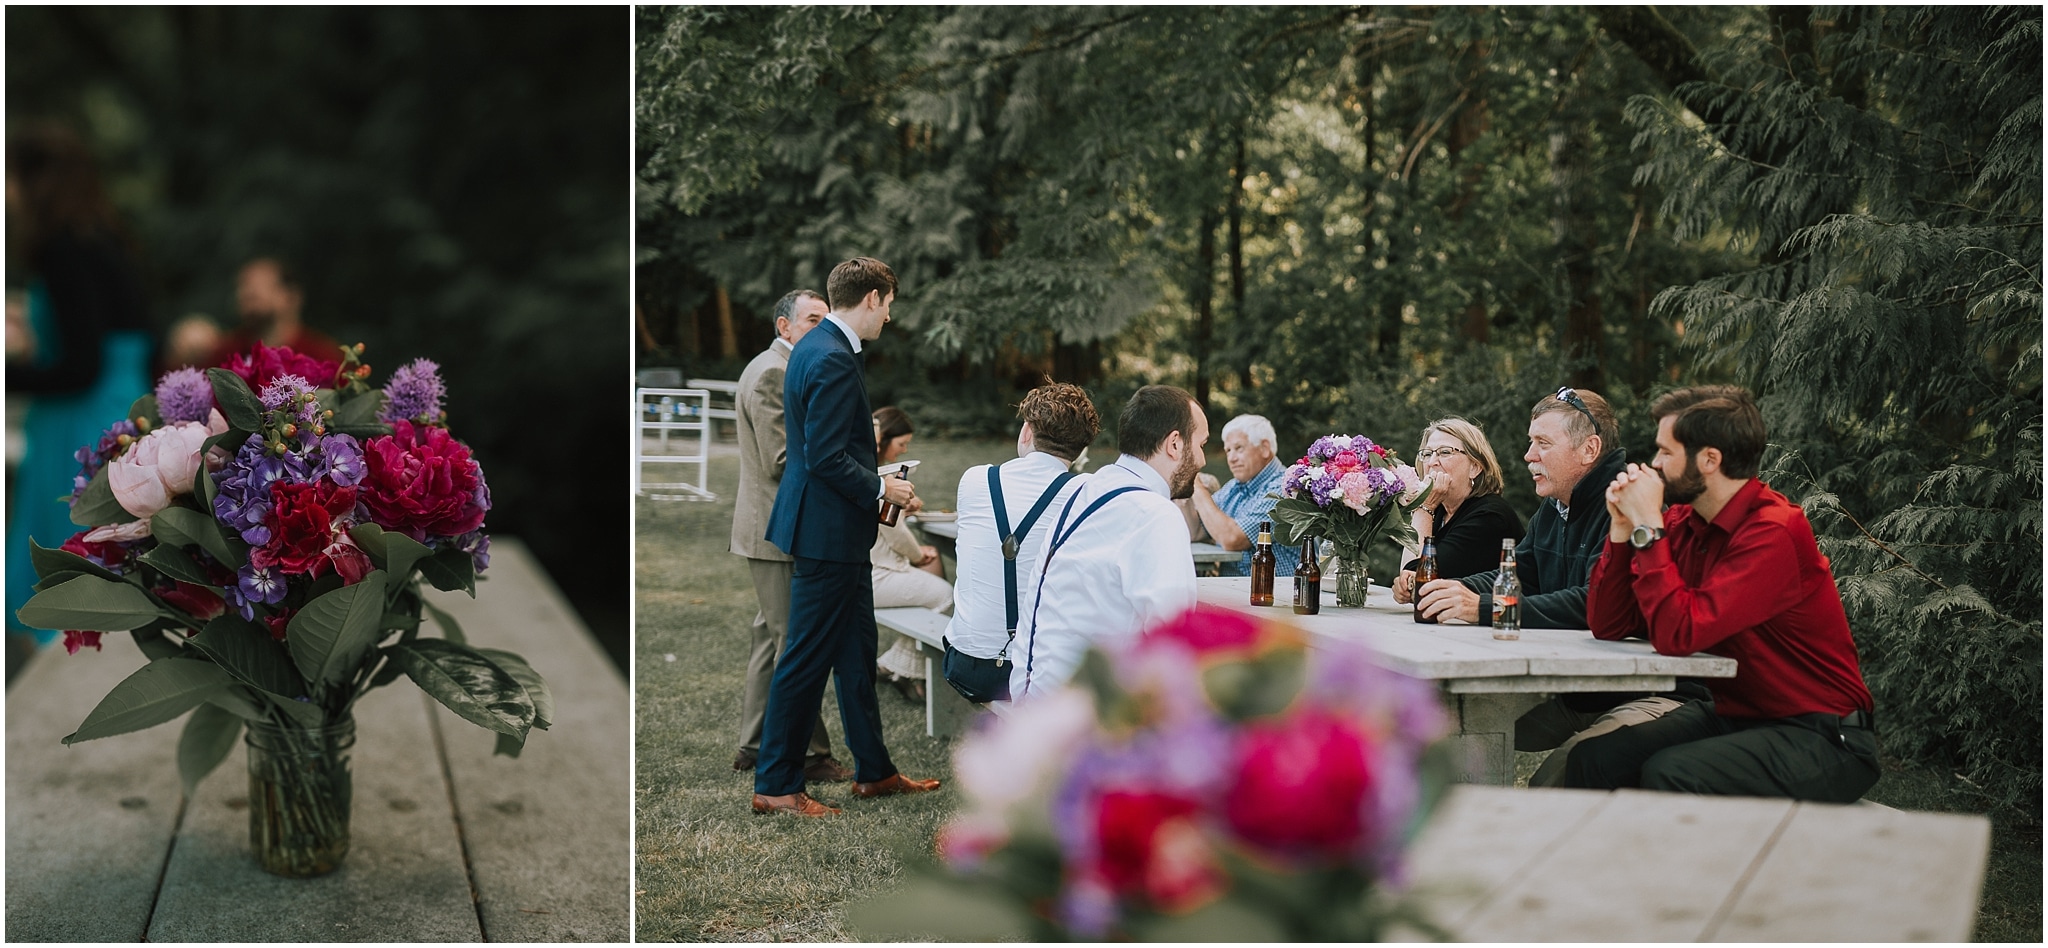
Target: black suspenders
1012,541
1060,534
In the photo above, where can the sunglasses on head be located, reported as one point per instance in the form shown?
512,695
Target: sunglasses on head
1570,396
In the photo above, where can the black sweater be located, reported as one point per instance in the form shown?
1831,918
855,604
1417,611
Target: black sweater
1470,542
1556,559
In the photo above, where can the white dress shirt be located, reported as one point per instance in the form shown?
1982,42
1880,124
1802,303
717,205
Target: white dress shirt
1124,570
978,613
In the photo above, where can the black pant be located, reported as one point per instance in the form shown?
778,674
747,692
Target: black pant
831,632
1694,750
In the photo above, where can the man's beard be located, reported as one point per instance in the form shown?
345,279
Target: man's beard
1687,487
1182,486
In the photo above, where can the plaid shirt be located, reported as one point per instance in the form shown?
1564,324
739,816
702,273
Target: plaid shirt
1248,504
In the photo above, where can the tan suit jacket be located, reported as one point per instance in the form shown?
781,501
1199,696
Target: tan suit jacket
763,447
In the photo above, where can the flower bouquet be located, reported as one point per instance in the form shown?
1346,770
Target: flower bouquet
1208,782
1346,490
262,530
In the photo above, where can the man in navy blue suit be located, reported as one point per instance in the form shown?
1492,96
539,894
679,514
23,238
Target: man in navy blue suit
825,517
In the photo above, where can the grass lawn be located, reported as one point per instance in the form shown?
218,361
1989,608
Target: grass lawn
709,870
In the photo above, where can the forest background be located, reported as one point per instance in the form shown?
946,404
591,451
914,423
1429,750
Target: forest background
445,182
1358,219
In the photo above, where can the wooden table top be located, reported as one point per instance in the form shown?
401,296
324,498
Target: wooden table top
1468,658
449,843
1500,864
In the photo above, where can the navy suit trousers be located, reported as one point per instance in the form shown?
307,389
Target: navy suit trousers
831,631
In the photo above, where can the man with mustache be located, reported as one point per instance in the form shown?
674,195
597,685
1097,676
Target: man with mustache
1731,568
1574,453
1116,560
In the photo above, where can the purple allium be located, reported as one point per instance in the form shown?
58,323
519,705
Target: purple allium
341,460
414,393
184,395
287,393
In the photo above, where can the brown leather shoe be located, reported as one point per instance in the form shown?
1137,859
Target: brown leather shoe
894,783
824,769
745,761
795,804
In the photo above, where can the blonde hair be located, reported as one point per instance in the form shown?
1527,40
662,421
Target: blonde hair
1469,437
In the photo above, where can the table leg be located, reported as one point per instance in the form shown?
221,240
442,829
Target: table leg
1486,735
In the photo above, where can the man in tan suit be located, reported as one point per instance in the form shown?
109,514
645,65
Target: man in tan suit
763,446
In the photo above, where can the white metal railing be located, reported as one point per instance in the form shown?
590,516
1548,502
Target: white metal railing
658,411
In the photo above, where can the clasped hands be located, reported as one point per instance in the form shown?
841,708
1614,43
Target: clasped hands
1635,498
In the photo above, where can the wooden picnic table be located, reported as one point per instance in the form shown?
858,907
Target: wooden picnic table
1487,683
449,843
1497,865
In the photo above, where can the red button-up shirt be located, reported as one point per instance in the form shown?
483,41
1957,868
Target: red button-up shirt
1753,586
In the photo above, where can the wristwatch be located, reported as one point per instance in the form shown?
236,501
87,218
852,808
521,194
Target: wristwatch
1641,537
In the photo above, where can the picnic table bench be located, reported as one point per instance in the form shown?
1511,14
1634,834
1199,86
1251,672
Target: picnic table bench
1498,864
449,843
1487,683
946,713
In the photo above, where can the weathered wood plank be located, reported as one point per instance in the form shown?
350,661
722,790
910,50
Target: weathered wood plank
1844,873
548,834
403,880
1557,684
87,825
1482,838
1596,884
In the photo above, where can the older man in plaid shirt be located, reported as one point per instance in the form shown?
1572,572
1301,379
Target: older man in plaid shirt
1230,516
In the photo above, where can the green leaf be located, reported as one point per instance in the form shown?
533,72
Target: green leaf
58,578
157,692
91,604
393,552
146,408
450,569
208,738
331,635
172,562
509,746
536,687
48,562
450,629
358,416
246,650
155,644
469,684
238,405
97,506
184,526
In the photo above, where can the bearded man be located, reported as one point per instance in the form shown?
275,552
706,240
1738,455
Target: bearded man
1116,561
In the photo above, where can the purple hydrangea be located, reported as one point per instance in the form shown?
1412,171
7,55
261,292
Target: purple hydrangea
252,586
242,498
184,395
341,460
414,393
1319,489
287,392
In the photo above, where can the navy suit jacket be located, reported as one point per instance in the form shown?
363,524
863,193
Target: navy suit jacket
825,506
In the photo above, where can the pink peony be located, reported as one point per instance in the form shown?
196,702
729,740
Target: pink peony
1357,490
423,483
160,466
1303,785
1344,463
1207,629
1152,844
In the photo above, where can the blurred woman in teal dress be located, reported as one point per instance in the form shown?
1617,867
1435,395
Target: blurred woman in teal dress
86,356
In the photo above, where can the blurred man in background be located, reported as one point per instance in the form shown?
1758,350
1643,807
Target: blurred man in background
268,299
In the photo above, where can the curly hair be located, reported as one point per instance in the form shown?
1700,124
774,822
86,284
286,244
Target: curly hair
1062,418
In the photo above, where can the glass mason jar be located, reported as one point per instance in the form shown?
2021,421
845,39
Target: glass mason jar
299,794
1353,584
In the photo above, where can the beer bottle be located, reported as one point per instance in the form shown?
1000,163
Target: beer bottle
1308,581
1507,595
890,510
1263,562
1425,570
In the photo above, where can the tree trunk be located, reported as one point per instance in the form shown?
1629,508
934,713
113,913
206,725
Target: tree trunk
1205,306
1472,122
1575,236
1235,211
728,339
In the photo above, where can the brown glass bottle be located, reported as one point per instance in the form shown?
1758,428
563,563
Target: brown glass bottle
891,511
1308,581
1425,570
1263,563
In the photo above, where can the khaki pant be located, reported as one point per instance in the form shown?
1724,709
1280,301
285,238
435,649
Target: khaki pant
771,627
895,589
1551,724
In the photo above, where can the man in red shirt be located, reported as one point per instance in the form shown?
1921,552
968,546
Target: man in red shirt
1731,568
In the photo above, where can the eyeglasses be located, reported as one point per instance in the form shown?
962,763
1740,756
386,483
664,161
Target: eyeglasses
1570,396
1427,455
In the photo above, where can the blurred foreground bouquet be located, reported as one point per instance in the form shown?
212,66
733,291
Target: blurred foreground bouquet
262,530
1212,781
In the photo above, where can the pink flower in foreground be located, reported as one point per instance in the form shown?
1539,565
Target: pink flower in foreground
160,466
1152,844
422,482
1302,785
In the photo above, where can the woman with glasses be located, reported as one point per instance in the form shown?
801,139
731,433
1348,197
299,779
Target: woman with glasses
1466,512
